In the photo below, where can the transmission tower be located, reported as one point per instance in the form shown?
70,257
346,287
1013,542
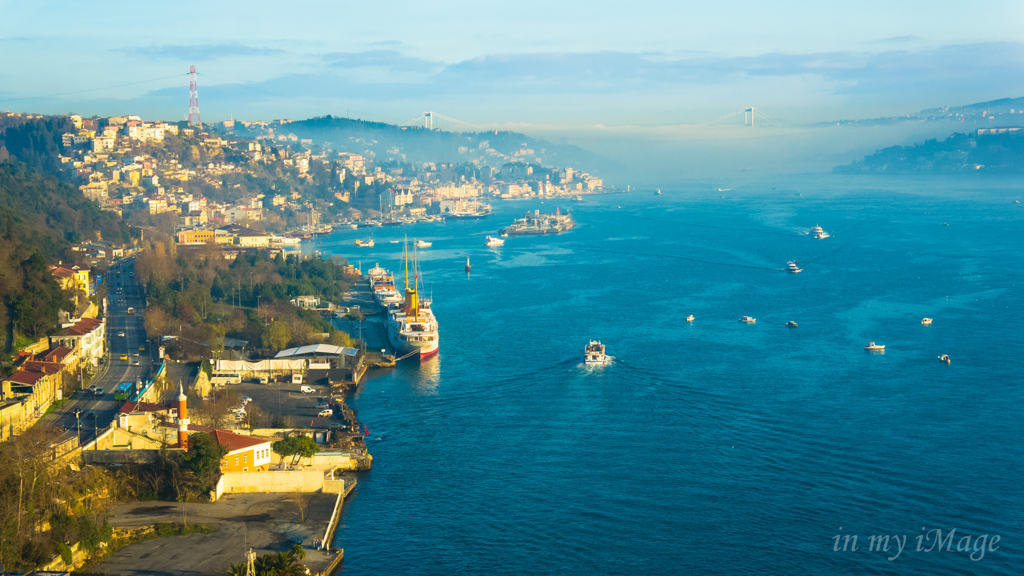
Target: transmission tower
250,558
193,99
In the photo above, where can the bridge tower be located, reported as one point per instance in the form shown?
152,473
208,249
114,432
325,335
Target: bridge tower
748,113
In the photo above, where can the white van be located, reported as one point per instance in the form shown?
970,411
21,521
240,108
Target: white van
307,390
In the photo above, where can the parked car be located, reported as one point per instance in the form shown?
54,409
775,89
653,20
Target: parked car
321,405
325,413
307,390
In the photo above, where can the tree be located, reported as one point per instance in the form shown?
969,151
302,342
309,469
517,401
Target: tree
204,455
296,447
277,335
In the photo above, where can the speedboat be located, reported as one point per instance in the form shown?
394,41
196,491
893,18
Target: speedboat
689,318
748,319
593,354
492,241
793,268
365,243
926,321
944,358
422,244
792,324
872,347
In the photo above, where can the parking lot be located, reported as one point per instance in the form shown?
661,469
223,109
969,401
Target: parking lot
286,399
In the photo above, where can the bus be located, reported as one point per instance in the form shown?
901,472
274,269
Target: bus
222,378
123,391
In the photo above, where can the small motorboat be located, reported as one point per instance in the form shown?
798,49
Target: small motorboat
657,192
872,347
926,321
792,324
492,241
423,244
748,319
593,354
689,318
944,358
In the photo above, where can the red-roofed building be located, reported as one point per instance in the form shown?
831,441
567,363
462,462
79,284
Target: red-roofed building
245,453
88,337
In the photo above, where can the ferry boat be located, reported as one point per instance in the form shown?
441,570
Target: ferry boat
365,243
818,232
793,268
412,328
537,223
593,354
926,321
748,320
944,358
492,241
872,347
422,244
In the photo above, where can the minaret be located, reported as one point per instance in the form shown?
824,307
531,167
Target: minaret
182,419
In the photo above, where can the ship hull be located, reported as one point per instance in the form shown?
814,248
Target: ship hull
404,348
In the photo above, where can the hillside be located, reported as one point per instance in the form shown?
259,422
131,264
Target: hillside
417,144
1002,112
972,152
39,219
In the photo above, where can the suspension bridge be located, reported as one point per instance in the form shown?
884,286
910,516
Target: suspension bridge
748,117
428,121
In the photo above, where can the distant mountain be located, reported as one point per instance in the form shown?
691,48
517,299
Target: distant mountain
417,144
1002,112
986,150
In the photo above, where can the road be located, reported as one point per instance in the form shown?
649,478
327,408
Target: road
123,293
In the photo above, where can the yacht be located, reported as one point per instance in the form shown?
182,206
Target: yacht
689,318
423,244
793,268
872,347
819,233
657,192
792,324
748,320
365,243
944,358
593,354
492,241
926,321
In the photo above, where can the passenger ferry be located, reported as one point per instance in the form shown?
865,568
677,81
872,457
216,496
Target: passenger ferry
537,223
412,328
593,354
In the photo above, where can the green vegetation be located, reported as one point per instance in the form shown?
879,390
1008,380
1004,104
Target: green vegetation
296,447
175,476
37,142
281,564
1002,153
203,298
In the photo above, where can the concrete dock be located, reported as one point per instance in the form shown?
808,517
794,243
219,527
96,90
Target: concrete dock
268,523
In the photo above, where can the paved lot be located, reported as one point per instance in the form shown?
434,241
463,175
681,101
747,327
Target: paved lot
288,400
266,522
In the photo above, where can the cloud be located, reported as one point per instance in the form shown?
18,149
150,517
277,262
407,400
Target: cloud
200,51
899,39
385,59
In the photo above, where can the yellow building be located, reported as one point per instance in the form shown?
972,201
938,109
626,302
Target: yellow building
195,236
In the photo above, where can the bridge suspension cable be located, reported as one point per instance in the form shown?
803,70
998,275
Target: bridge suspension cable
428,120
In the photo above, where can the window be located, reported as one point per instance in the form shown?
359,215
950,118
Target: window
245,459
236,460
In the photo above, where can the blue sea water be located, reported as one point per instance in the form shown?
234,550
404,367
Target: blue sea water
712,447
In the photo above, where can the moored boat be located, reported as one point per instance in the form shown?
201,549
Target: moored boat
411,327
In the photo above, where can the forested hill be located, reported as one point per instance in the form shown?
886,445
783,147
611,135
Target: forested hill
422,145
39,219
35,141
1001,152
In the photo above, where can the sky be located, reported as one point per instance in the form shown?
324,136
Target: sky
541,66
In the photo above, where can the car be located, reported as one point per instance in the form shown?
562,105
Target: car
322,405
90,415
136,354
98,391
141,349
93,388
120,334
135,363
325,413
124,356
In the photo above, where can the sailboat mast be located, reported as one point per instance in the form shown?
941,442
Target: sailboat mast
407,263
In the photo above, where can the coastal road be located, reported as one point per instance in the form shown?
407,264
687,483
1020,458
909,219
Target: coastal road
123,293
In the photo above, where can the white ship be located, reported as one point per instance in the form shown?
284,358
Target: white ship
748,320
412,328
382,284
818,232
793,268
872,347
423,244
492,241
593,354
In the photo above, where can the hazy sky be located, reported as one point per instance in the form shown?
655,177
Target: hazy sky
523,63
